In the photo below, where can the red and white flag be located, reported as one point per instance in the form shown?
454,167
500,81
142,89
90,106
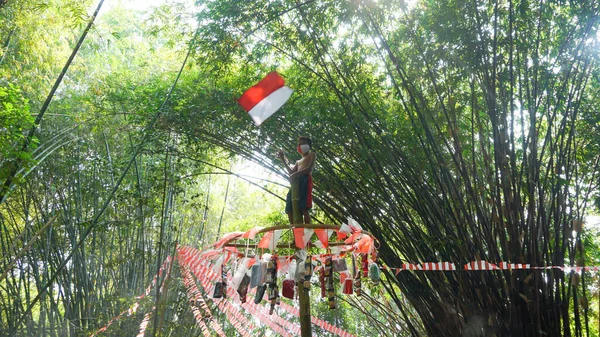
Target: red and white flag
266,97
302,236
270,239
323,235
251,234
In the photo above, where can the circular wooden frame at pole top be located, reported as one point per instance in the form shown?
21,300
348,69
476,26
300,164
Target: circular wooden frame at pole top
291,245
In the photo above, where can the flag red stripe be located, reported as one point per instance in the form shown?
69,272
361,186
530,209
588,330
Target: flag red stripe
262,89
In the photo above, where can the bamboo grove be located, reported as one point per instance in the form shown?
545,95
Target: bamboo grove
451,130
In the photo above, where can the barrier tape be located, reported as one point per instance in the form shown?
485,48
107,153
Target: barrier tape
423,266
204,268
144,323
195,292
250,307
133,308
192,258
484,265
195,302
206,275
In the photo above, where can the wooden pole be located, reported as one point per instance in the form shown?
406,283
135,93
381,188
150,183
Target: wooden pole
303,295
297,214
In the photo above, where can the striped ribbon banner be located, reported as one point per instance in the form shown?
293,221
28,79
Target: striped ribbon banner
133,308
429,266
144,324
235,321
231,314
484,265
480,265
204,267
197,302
508,265
206,275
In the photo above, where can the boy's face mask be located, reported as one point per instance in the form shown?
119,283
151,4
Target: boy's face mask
304,148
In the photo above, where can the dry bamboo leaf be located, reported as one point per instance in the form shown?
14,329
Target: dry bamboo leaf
577,225
575,280
528,278
491,320
525,298
583,301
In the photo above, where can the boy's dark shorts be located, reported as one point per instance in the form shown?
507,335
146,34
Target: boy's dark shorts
305,202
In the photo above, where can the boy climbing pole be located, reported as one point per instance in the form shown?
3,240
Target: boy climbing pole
301,179
302,171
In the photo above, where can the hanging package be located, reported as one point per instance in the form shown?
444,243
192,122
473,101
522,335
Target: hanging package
287,289
239,274
308,269
273,292
374,272
292,270
243,288
322,281
328,269
348,286
339,265
256,274
260,293
271,276
299,275
329,286
263,269
219,289
364,265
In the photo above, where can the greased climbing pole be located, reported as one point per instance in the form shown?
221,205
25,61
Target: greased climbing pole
303,287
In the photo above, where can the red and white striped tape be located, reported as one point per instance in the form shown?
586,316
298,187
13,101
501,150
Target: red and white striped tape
196,302
205,271
133,308
483,265
580,269
206,276
429,266
480,265
508,265
144,324
236,319
270,321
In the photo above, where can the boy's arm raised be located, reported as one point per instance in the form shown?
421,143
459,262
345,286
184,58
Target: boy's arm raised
283,158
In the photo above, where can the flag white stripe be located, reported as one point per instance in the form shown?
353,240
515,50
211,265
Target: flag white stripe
265,108
275,238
